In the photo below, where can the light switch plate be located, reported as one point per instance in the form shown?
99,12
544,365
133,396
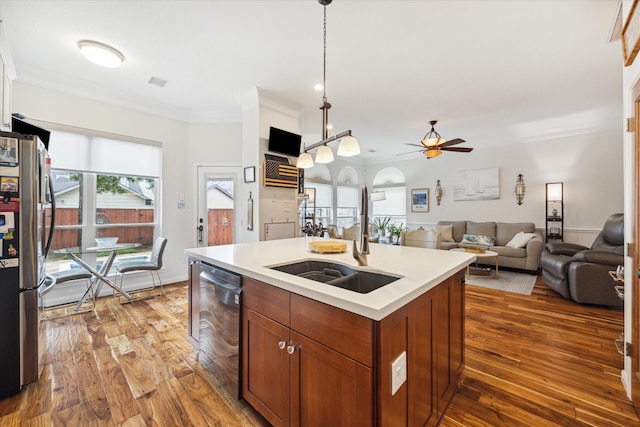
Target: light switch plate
398,372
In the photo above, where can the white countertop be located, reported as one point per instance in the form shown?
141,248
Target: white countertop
421,269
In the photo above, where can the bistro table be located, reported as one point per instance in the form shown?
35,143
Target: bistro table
99,276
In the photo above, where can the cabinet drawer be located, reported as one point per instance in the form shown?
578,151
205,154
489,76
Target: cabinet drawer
267,300
345,332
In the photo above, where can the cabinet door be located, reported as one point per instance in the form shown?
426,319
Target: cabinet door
265,377
449,339
193,323
328,388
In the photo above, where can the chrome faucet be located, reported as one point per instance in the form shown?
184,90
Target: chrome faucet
361,256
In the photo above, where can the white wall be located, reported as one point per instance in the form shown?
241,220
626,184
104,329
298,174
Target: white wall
590,194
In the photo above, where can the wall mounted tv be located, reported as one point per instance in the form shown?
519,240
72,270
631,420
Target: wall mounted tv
283,142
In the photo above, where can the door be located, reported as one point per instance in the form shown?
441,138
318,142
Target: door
634,339
328,388
216,205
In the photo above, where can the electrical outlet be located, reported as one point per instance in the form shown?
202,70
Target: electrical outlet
398,372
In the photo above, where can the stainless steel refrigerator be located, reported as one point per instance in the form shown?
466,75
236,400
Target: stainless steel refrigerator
24,240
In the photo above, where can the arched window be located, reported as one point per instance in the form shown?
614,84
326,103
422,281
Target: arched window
321,208
348,198
392,182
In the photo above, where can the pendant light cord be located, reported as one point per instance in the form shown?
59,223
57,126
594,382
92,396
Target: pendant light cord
324,58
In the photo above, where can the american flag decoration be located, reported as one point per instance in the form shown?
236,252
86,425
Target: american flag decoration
280,175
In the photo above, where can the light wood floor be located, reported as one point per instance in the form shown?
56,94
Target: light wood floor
530,361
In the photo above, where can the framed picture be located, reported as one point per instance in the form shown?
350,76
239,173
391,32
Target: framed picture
420,200
631,35
476,184
250,174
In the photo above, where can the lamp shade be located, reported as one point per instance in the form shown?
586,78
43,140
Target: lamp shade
554,191
348,147
101,54
305,161
430,154
324,155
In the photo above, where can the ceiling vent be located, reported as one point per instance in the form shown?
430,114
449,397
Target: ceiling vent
157,81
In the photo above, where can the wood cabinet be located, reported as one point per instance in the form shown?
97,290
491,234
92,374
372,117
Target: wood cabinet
292,379
193,284
309,363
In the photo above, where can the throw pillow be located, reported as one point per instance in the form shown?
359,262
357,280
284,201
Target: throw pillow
472,239
446,232
520,240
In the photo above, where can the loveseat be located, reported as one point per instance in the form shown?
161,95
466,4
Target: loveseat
518,244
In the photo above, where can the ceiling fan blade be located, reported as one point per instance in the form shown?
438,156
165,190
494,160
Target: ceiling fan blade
452,142
457,149
410,152
414,145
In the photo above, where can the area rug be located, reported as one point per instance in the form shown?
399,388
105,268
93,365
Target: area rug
508,281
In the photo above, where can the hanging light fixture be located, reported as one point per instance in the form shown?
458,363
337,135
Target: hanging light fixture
520,189
438,192
348,144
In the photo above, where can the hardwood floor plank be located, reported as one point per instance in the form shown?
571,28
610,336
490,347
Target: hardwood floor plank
173,392
67,417
121,400
64,382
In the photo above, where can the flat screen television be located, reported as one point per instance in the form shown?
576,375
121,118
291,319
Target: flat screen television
283,142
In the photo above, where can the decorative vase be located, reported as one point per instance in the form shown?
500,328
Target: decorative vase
554,212
381,232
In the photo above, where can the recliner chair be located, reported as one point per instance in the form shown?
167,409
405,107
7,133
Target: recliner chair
582,274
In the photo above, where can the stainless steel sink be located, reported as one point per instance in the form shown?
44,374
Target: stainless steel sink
336,274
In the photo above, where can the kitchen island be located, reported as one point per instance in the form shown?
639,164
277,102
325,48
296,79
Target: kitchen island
315,353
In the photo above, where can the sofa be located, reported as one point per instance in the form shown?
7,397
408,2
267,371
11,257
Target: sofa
582,274
520,252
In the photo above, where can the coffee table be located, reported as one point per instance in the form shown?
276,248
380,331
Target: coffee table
485,254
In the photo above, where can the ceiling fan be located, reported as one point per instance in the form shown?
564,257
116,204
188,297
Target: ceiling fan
433,144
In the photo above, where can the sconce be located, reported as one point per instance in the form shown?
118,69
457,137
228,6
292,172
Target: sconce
520,189
438,192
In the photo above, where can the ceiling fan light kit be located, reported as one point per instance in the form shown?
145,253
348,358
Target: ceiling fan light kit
348,144
432,145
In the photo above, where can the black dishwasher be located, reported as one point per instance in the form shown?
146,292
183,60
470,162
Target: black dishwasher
219,353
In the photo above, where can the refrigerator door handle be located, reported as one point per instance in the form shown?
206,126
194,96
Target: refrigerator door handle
53,218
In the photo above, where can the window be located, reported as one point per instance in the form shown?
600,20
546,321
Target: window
347,209
322,205
394,205
102,190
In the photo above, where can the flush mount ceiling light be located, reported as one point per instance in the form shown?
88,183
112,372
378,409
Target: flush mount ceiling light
101,54
348,144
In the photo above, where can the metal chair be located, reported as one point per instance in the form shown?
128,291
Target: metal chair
153,264
66,276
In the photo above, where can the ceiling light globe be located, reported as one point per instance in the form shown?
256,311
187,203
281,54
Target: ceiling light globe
305,161
430,154
348,147
324,155
101,54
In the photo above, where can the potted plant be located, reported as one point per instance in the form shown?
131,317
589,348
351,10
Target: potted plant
395,232
381,224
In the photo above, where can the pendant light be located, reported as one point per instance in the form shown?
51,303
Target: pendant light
348,144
